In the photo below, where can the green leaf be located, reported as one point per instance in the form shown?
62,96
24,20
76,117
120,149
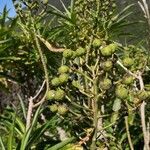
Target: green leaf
20,124
67,11
3,17
122,12
7,123
39,131
4,41
28,133
22,106
61,144
2,144
11,133
10,58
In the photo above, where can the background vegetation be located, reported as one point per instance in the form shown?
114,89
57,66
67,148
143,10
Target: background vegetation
75,78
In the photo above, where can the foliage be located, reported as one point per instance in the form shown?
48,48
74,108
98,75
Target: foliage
81,88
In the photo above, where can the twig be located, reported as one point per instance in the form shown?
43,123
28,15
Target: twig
42,86
83,74
142,111
49,46
45,71
104,128
95,112
88,50
148,131
128,133
29,114
86,94
31,106
141,81
77,105
145,9
142,107
128,71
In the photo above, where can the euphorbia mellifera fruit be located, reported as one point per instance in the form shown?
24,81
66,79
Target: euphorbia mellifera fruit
76,84
59,94
143,95
53,108
121,92
105,84
107,65
109,49
55,81
62,109
113,47
127,61
128,80
67,53
97,42
80,51
63,69
106,51
50,94
63,78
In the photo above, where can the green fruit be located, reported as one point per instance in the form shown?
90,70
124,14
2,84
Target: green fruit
106,51
74,54
80,51
53,108
121,92
76,84
50,95
113,5
128,80
59,94
107,65
113,47
62,109
143,95
127,62
67,53
55,81
63,78
97,42
105,84
63,69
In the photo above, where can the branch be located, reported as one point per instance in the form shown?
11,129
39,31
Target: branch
142,107
49,46
42,86
140,81
29,114
128,71
45,70
142,111
128,133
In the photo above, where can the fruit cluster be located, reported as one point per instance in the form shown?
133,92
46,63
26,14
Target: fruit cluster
62,78
73,54
116,79
57,94
61,109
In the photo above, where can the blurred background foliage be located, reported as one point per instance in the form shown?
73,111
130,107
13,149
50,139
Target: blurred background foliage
31,46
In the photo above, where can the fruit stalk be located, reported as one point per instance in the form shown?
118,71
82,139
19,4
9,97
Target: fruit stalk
95,112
